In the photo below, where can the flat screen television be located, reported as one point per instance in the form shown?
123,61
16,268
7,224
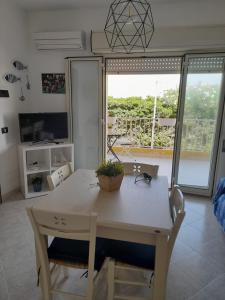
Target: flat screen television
38,127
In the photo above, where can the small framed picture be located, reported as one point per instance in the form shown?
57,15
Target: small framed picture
53,83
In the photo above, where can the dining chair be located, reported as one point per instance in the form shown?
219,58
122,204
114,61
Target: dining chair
139,257
58,176
138,168
74,245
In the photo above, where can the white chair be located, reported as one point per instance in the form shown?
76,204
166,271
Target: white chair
58,176
138,257
74,245
138,168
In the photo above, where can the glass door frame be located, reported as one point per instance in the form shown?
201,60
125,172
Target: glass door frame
101,101
178,135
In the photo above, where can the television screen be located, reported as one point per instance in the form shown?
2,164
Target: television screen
43,127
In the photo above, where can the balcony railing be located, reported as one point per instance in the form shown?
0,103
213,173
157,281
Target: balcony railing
197,134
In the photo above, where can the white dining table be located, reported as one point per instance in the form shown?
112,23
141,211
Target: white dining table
138,212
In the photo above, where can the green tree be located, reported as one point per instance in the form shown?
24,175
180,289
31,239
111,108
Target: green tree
201,101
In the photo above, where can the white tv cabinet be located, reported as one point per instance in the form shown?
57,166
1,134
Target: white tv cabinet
39,161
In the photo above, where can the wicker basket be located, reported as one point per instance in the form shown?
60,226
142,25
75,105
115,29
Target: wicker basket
110,183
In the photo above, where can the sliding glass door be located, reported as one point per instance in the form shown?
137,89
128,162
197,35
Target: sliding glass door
141,102
201,104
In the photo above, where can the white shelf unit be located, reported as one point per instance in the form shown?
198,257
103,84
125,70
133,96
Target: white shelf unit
40,161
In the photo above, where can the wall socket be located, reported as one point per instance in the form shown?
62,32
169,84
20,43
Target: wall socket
4,130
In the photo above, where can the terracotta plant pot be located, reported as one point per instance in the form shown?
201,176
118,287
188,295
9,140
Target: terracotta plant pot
110,183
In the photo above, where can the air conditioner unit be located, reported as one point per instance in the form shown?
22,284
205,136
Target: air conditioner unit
59,40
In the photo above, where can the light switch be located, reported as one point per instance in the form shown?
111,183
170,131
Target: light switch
4,130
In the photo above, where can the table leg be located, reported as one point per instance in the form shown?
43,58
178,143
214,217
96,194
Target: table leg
114,154
110,144
161,261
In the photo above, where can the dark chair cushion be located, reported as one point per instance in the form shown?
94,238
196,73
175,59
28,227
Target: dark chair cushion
75,251
134,254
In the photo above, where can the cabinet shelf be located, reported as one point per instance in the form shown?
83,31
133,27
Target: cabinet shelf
41,161
39,170
43,191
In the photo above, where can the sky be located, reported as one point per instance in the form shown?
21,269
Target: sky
143,85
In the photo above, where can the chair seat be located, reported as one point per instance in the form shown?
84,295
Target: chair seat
138,255
75,252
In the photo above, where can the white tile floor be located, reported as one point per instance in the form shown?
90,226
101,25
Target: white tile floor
197,269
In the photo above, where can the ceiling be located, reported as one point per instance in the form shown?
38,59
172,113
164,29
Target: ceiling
67,4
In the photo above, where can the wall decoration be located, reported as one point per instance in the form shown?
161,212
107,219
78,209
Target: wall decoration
53,83
18,65
11,78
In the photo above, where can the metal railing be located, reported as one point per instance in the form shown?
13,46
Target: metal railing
197,134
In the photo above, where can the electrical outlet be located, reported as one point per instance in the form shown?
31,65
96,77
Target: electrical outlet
4,130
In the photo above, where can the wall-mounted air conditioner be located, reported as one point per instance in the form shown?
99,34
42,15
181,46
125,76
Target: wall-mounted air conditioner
59,40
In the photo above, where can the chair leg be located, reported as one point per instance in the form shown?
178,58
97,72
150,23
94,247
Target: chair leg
45,287
111,276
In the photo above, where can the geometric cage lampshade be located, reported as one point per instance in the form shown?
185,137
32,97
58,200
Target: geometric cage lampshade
129,25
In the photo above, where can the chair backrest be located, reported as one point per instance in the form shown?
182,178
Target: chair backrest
177,214
136,168
68,226
58,176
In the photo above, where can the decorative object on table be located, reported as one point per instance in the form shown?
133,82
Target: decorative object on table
53,83
18,65
136,168
143,177
129,25
37,184
11,78
110,176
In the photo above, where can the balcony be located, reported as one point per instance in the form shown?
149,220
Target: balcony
151,141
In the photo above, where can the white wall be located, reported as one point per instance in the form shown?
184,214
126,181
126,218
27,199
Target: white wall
13,44
173,14
53,61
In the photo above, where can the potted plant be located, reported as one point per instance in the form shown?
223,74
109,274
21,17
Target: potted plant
110,175
37,184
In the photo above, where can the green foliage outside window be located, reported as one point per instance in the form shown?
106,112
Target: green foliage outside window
200,115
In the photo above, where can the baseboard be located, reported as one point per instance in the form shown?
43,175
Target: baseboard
8,195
